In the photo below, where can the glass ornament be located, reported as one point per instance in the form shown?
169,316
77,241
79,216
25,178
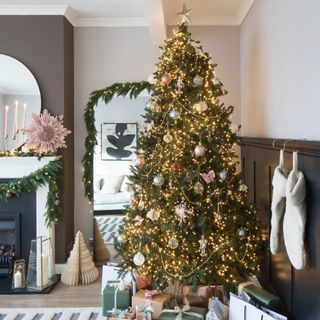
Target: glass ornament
198,188
167,138
198,80
200,150
173,243
174,114
158,180
223,175
138,259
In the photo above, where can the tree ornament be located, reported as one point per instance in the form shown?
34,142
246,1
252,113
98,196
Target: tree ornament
148,105
200,106
167,138
141,204
181,211
198,188
200,150
242,233
173,243
166,79
198,80
217,217
120,238
223,175
138,259
155,107
140,161
176,166
149,126
158,180
138,220
174,114
151,79
153,215
208,177
203,245
243,187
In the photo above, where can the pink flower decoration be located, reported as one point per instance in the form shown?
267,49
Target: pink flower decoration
149,125
208,177
138,220
46,133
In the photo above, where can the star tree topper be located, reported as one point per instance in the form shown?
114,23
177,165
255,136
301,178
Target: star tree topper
185,14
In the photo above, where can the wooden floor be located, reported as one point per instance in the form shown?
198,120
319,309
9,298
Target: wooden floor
60,296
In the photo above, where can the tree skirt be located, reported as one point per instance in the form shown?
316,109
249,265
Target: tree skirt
51,314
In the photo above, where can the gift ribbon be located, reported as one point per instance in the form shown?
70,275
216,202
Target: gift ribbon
145,311
148,294
181,311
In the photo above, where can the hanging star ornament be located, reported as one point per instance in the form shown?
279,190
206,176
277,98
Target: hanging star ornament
185,15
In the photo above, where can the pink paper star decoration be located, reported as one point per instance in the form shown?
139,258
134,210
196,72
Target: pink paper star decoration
208,177
46,133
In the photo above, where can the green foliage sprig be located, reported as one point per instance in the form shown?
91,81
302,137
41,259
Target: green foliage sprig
130,89
48,174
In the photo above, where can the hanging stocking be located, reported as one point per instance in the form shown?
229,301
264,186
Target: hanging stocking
278,202
295,216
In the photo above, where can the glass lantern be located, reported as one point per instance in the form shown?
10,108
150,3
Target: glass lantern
19,274
41,269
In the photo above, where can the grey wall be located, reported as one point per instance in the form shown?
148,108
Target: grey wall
107,55
280,69
45,45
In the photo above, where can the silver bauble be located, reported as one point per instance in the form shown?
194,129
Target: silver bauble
138,259
173,243
198,80
242,233
120,238
174,114
148,105
167,138
158,180
198,188
200,150
223,175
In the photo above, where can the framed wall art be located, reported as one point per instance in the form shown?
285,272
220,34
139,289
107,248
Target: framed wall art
118,141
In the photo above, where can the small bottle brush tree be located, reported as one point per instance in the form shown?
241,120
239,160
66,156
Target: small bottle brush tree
189,220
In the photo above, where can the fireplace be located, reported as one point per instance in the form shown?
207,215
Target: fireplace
9,242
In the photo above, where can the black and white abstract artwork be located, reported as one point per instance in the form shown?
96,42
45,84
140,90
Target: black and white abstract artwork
118,141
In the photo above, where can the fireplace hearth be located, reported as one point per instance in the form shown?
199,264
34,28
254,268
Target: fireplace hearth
9,242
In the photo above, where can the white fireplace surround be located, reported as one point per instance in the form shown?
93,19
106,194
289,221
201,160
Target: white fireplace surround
18,167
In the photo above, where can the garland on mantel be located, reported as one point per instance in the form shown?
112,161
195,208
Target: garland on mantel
132,89
18,153
47,174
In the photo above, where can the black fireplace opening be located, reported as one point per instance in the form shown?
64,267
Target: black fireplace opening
10,241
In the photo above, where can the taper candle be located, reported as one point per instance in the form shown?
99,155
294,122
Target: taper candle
24,115
6,122
15,124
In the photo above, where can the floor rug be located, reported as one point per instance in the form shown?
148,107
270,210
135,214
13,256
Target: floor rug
51,314
109,226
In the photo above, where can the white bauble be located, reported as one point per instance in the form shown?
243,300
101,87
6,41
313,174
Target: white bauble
153,215
151,79
198,80
167,138
200,150
138,259
158,180
200,106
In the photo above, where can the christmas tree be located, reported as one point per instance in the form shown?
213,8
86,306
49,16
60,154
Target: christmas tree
189,219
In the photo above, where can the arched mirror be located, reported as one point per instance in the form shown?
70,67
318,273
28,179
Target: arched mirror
118,125
19,98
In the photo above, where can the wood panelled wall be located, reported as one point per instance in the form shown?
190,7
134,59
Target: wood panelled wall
299,289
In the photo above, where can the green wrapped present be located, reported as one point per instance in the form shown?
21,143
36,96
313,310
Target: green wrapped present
185,313
263,297
116,297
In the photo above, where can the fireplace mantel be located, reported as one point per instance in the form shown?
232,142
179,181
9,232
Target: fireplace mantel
18,167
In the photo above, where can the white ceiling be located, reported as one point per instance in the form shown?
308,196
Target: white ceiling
156,14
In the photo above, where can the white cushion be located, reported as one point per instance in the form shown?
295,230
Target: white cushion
97,183
111,198
126,185
112,184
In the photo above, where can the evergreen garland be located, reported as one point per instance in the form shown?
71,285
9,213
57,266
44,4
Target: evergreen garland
48,174
131,89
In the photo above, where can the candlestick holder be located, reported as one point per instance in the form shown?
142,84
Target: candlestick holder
41,269
19,274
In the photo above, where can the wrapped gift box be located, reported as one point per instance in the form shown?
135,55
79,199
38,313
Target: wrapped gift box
157,302
193,313
122,316
200,298
263,297
114,298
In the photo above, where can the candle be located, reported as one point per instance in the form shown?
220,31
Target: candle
15,124
6,122
24,115
39,262
44,270
18,279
